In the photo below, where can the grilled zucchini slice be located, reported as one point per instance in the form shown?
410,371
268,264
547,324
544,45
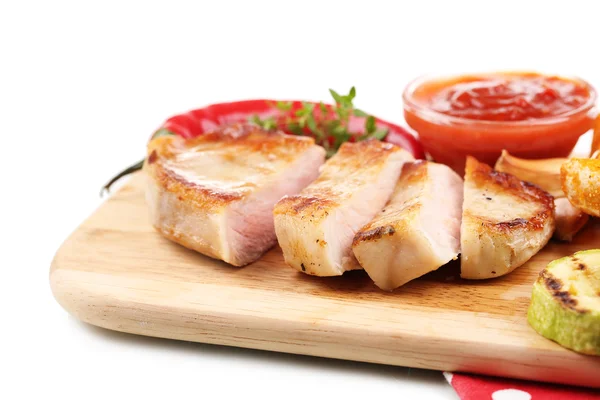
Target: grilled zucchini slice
565,303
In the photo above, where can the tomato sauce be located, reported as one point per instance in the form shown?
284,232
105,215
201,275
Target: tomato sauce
517,98
528,114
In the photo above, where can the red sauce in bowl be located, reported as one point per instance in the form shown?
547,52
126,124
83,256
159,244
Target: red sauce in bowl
529,114
519,98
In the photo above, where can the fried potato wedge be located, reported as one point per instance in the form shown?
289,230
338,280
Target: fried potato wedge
580,179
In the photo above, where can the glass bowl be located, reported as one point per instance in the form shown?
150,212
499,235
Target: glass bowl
449,139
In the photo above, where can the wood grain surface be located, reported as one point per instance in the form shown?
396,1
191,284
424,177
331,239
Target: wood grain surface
116,272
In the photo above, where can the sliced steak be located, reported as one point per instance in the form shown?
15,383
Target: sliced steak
417,231
215,193
505,222
315,228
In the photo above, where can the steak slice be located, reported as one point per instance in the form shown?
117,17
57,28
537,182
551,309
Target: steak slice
315,228
505,222
215,193
417,231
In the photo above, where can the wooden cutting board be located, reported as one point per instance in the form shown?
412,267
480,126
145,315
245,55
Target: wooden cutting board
116,272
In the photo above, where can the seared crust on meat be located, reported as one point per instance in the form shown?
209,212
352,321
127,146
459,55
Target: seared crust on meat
369,233
169,157
315,228
215,193
412,174
417,231
392,225
356,160
306,205
505,221
483,176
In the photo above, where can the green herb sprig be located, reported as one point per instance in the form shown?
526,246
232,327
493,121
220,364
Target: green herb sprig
328,124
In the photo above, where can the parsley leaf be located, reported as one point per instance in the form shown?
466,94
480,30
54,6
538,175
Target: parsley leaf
329,125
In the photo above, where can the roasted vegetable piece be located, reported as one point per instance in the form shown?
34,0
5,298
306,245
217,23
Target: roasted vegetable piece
542,173
565,303
580,179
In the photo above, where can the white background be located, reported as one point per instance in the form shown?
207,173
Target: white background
83,85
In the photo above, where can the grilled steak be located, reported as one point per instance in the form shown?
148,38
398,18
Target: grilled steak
417,231
315,228
505,222
215,193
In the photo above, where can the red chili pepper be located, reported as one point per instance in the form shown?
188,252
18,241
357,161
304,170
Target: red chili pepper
199,121
196,122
